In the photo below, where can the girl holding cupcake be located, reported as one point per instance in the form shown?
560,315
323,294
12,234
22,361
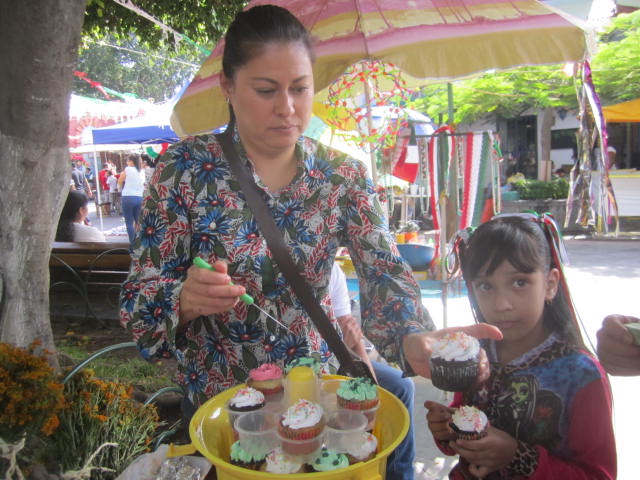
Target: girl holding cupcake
547,400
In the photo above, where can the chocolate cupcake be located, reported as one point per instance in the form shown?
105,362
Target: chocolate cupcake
454,362
469,423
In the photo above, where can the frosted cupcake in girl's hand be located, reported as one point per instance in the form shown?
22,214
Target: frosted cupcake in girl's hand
454,362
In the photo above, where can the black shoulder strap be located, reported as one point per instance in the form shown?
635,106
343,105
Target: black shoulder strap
280,253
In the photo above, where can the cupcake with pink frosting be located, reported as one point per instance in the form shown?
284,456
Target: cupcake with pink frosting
454,362
267,378
469,423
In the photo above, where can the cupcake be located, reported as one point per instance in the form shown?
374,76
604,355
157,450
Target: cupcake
364,450
300,428
242,458
267,378
360,394
279,462
454,362
469,423
357,394
329,460
246,400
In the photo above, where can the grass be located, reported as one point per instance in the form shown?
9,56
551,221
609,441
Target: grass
115,366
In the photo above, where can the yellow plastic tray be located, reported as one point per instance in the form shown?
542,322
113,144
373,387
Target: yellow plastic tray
211,435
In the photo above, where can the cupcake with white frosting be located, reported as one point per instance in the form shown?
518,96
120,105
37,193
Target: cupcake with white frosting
454,362
469,423
363,450
301,427
279,462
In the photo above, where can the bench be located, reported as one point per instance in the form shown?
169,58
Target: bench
89,267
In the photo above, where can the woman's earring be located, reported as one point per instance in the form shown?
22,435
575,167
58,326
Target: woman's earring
228,100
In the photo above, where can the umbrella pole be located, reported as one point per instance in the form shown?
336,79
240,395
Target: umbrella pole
367,97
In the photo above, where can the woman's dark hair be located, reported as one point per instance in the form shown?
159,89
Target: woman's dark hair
75,201
252,29
136,161
523,243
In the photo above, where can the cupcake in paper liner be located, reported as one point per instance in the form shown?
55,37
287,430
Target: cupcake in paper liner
267,378
281,463
357,394
241,458
302,421
364,450
329,460
311,362
469,423
454,362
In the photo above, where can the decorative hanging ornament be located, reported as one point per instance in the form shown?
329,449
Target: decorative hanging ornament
382,85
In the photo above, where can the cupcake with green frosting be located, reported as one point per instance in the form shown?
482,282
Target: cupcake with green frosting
329,460
357,394
241,458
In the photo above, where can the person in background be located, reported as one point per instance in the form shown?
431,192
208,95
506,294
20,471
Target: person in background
548,400
71,226
148,167
114,195
80,182
131,182
617,350
319,198
102,177
400,462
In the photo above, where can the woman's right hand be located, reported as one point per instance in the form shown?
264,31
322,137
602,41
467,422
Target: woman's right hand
616,349
206,292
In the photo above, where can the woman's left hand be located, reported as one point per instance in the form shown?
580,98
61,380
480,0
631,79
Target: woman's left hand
417,347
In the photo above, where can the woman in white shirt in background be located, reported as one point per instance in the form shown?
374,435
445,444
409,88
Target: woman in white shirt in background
71,226
131,182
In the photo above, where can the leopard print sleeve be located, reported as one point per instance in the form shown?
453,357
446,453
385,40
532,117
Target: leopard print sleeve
525,460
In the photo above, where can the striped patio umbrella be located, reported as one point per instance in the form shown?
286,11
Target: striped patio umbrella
427,39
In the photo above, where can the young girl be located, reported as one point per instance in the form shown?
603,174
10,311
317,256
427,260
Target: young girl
548,399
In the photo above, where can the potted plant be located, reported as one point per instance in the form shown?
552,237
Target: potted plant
538,196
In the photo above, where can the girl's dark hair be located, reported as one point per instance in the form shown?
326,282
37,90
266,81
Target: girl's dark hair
523,243
75,201
252,29
136,161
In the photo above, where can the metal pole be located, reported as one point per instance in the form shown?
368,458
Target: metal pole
367,97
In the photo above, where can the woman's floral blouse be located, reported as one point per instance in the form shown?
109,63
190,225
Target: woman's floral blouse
195,208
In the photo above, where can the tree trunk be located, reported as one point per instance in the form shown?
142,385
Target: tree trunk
38,50
546,122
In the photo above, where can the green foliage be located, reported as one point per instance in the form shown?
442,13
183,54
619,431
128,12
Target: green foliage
508,94
615,71
146,376
128,65
203,21
541,190
97,413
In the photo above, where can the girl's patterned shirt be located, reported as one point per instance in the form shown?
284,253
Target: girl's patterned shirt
195,208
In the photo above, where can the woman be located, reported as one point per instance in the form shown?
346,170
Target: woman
320,199
131,182
71,226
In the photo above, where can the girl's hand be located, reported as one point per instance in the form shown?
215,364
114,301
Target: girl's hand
616,349
205,292
417,347
488,454
438,418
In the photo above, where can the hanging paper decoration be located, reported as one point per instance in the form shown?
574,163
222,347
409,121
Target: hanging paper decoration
97,85
165,28
382,85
